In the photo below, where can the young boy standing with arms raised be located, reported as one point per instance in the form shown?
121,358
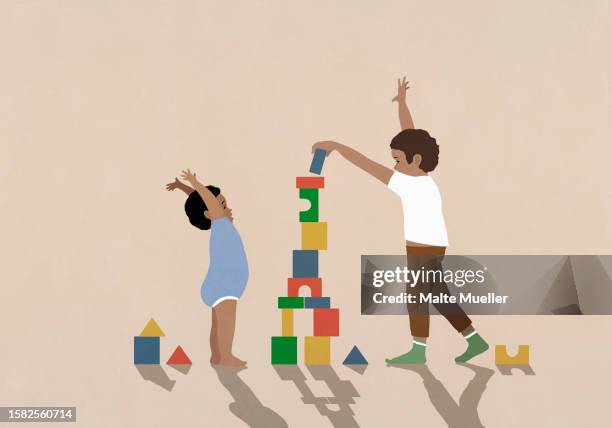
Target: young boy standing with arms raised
228,270
416,154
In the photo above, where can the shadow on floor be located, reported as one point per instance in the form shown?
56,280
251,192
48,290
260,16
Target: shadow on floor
506,369
456,415
336,408
246,405
357,368
156,374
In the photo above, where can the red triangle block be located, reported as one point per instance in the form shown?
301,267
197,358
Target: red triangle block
178,357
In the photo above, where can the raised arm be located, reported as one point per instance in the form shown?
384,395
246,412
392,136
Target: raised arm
177,184
404,114
215,209
375,169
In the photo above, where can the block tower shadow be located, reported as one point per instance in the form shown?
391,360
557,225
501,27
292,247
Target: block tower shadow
246,406
336,408
156,374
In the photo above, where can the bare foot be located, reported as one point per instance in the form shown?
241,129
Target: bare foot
214,359
231,361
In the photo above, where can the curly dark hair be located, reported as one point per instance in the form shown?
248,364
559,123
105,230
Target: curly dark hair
195,207
418,141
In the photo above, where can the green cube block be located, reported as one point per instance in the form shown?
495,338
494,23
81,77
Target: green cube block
311,215
291,303
284,350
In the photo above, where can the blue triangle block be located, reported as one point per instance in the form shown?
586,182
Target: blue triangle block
355,357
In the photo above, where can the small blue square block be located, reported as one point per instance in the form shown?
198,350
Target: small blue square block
305,264
316,302
146,350
318,158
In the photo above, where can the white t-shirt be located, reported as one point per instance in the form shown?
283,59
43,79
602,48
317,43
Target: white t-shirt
422,205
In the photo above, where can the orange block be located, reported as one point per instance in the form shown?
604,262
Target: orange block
326,322
294,285
310,182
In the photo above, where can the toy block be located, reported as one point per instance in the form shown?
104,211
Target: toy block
312,213
502,357
284,350
152,330
290,302
316,166
305,264
317,350
178,357
294,285
355,357
316,302
146,350
287,319
314,236
326,322
310,182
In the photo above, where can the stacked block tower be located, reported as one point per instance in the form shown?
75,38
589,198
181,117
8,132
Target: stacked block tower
326,320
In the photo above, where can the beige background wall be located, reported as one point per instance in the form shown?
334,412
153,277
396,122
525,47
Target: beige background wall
102,103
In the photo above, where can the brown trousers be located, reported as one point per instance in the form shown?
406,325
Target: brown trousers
430,258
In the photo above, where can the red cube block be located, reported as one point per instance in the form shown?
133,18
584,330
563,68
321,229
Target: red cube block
326,322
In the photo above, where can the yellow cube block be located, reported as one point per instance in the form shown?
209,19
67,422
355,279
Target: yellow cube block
316,350
287,315
314,236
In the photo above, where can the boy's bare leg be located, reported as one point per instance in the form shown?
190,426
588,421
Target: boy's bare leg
225,313
214,342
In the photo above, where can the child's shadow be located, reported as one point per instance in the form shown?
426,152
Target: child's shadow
464,413
246,405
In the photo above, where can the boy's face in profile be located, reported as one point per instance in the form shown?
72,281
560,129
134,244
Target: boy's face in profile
402,164
400,159
226,210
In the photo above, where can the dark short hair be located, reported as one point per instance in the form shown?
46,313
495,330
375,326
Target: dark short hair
195,207
418,141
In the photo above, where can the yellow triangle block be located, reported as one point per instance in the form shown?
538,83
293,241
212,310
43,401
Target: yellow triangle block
152,330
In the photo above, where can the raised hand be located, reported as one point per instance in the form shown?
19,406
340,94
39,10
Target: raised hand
174,185
328,146
402,87
189,176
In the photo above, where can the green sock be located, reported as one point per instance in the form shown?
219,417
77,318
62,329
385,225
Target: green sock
476,346
415,356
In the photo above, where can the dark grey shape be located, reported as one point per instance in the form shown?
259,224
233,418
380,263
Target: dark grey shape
465,412
506,369
156,374
183,368
593,284
246,406
568,310
358,368
562,291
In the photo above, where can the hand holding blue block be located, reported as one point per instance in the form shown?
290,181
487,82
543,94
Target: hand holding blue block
317,161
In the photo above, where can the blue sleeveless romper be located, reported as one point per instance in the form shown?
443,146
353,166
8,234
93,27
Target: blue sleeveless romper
228,271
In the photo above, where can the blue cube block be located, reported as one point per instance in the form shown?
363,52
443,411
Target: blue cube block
305,264
316,302
146,350
318,158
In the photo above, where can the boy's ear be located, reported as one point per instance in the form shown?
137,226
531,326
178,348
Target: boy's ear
206,214
416,159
